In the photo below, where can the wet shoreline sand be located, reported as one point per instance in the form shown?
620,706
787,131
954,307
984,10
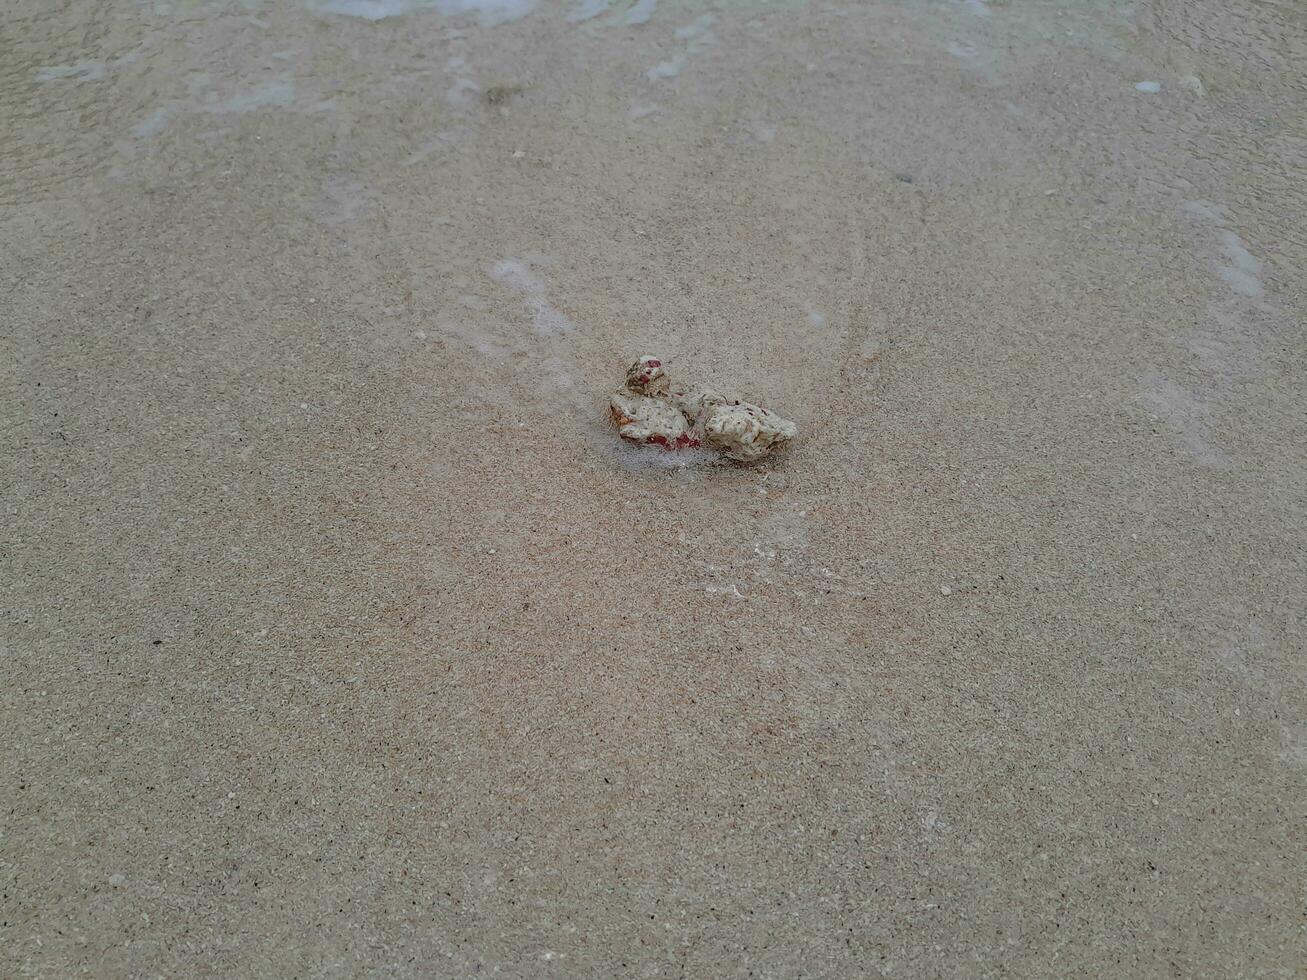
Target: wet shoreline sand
343,637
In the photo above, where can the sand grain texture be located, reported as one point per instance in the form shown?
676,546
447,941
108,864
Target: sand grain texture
320,659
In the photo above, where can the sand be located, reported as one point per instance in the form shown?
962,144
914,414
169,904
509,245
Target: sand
342,638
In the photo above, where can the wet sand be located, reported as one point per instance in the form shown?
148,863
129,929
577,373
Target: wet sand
342,638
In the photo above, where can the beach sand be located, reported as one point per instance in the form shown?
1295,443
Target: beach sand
342,637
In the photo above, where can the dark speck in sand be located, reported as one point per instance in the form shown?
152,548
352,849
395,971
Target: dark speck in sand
501,94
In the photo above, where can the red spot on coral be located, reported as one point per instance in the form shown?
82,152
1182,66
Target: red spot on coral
654,362
683,441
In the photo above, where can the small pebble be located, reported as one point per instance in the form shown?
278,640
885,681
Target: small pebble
945,590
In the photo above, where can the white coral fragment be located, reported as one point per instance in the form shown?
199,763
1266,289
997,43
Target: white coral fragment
646,410
646,419
745,432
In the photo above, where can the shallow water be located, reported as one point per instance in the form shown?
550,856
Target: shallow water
343,636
